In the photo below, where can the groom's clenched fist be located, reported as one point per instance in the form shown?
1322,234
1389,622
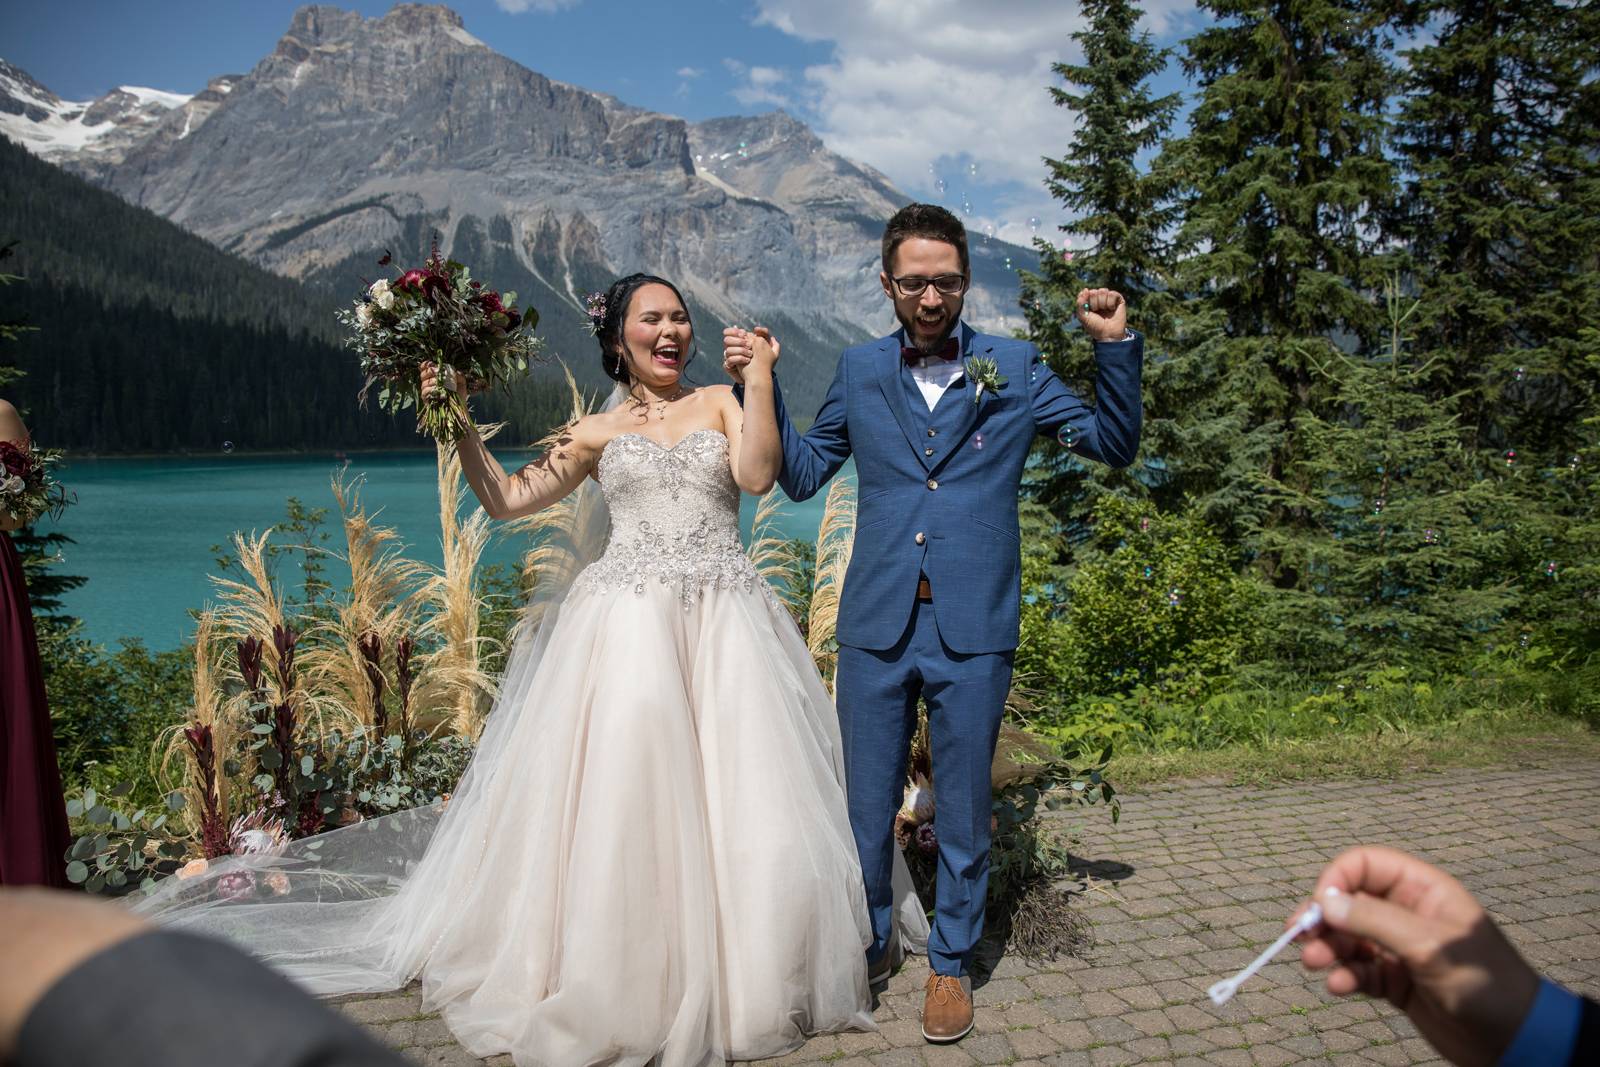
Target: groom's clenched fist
1103,312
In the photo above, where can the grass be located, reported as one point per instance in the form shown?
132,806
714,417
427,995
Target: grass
1480,741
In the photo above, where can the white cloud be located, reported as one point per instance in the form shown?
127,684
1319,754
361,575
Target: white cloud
517,7
764,85
690,72
911,84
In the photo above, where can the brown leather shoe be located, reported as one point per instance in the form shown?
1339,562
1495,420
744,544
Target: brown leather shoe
947,1008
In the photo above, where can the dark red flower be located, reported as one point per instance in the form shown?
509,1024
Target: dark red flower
433,283
412,280
16,460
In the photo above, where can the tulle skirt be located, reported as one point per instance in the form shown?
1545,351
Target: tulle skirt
649,857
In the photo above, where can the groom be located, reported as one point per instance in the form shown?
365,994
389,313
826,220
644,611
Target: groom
930,602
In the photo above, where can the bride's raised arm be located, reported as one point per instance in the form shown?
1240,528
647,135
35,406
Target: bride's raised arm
534,486
755,451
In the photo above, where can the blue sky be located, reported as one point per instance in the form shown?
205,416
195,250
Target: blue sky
947,97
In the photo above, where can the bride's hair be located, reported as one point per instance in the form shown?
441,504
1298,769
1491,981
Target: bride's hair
613,313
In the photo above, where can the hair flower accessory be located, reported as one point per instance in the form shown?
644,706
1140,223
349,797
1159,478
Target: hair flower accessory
595,308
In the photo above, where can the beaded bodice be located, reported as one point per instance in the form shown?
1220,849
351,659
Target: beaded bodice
674,517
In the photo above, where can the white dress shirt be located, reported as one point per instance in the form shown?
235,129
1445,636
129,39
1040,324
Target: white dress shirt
934,375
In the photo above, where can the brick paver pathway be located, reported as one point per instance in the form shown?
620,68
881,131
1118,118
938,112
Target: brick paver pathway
1193,883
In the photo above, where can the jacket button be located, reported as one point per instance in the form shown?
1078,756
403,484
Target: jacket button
933,483
927,451
922,538
933,433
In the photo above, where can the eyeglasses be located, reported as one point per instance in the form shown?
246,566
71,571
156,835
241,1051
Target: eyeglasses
947,284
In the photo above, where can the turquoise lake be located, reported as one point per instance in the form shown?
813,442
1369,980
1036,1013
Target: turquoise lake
144,527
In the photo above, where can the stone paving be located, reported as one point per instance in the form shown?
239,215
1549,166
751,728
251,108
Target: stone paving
1198,878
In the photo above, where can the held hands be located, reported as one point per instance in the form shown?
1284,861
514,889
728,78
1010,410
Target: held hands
1398,928
755,349
1103,312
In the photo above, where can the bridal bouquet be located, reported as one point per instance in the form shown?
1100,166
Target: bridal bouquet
27,488
438,314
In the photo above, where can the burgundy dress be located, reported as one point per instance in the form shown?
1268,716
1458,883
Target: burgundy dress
33,816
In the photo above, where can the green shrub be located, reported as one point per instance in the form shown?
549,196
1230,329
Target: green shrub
1161,608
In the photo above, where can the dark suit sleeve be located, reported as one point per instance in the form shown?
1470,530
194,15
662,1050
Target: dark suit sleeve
1587,1049
812,458
1108,433
168,998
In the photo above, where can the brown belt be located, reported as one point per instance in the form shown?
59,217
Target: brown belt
924,590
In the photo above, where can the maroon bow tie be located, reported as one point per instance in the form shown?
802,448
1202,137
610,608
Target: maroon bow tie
914,356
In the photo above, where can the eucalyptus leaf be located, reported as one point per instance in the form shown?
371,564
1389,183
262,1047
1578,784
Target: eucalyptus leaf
77,872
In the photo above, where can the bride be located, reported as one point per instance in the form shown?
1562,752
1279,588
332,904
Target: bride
649,858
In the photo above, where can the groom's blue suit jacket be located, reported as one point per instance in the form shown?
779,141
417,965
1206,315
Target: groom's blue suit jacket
930,500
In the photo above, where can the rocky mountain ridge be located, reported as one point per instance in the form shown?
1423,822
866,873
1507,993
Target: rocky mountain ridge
356,135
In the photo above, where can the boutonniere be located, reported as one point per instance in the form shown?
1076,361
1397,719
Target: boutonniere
986,374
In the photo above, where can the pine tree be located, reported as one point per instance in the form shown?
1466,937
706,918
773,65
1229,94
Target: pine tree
1123,213
1283,172
1401,526
1499,131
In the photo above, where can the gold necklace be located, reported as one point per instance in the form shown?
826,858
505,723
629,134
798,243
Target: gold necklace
660,403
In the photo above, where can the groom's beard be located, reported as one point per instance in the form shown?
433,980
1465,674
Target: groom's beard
928,347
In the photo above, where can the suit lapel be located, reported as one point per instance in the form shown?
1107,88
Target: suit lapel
894,393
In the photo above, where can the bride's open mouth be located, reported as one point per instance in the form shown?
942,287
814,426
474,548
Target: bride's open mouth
667,356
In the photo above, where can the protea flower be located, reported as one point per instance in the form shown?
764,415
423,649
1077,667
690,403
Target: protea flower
917,807
256,832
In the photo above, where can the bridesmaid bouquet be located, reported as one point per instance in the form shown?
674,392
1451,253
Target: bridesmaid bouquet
438,314
27,488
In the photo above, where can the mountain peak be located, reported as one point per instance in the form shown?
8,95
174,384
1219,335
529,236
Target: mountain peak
320,25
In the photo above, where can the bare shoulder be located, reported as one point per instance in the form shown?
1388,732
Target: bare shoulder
591,431
11,425
719,395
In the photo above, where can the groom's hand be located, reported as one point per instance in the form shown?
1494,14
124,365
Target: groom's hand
736,352
1103,312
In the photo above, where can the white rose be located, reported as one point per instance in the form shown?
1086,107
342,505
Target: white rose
385,299
364,314
378,288
12,484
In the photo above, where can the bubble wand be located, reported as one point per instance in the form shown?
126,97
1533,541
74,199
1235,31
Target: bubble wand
1224,990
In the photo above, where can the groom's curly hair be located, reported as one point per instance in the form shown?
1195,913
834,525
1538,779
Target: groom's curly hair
929,221
614,315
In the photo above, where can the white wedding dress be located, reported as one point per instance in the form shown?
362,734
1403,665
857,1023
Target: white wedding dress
649,859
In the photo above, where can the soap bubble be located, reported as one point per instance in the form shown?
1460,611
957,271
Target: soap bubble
939,185
1377,506
1033,223
1144,523
1550,568
227,446
1511,457
1149,571
1430,536
1519,374
1174,597
1064,436
972,170
977,441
